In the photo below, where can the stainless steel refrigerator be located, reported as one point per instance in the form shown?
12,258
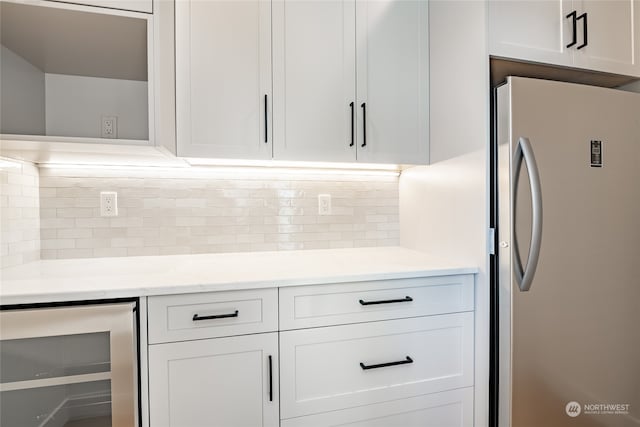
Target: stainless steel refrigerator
568,269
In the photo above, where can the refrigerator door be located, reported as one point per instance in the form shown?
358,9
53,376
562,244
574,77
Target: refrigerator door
570,345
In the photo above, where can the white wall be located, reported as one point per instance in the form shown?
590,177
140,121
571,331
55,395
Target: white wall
444,206
75,106
22,95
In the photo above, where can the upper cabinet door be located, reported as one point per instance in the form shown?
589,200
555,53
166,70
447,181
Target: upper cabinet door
613,39
223,79
598,35
393,81
314,80
531,30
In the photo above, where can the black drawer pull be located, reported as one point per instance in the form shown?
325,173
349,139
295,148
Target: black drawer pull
574,17
270,379
384,365
217,316
352,125
386,301
266,120
364,124
585,32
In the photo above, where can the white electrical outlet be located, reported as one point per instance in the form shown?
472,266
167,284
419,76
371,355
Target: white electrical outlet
108,203
109,127
324,204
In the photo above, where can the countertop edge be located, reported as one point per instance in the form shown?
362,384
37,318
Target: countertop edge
135,292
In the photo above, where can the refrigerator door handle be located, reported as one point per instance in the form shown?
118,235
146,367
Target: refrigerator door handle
524,151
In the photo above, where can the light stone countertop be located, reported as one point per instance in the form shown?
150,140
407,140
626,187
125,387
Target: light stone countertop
102,278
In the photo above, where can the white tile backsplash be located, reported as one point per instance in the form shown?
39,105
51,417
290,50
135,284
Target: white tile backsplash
19,214
201,210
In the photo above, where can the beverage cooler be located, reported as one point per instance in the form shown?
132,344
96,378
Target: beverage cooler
71,366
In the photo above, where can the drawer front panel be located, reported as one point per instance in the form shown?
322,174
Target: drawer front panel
333,368
209,315
447,409
326,305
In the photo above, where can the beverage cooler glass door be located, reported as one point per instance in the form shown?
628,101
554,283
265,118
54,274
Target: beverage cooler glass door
71,366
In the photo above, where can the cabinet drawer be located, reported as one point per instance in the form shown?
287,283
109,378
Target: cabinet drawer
339,367
447,409
210,315
326,305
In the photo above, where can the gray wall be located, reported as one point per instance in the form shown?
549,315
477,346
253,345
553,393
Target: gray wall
22,109
38,103
75,106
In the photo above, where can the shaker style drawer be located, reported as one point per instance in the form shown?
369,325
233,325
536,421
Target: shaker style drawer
210,315
453,408
326,305
339,367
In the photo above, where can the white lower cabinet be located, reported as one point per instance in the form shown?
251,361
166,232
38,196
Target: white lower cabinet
338,367
381,353
215,382
452,408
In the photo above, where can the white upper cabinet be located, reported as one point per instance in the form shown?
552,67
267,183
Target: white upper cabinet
393,81
73,73
314,80
223,79
531,30
613,36
599,35
325,110
350,80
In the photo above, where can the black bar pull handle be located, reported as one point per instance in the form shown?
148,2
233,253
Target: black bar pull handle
266,124
584,30
384,365
574,40
217,316
352,124
364,124
386,301
270,379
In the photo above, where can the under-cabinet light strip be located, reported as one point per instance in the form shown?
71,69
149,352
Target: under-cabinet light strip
291,164
231,171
